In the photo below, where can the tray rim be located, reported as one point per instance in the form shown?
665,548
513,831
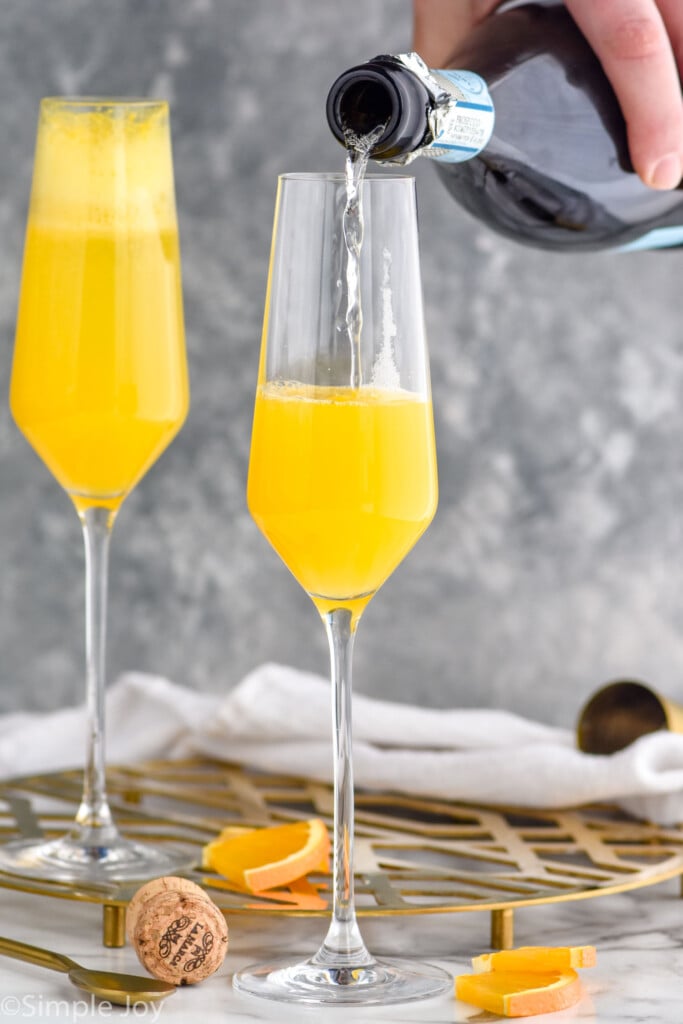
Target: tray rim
117,895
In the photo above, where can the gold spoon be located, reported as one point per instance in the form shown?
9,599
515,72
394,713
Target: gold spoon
124,989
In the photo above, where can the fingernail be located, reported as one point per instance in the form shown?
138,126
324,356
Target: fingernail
666,173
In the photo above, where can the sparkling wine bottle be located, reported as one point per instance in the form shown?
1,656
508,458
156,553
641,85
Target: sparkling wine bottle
526,133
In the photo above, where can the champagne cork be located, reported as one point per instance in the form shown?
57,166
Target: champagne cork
177,931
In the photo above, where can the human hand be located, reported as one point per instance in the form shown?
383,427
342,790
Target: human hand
439,26
640,45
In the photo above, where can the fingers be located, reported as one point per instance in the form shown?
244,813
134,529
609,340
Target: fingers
440,26
632,40
672,13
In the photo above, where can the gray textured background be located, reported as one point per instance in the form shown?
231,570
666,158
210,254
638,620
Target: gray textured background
554,562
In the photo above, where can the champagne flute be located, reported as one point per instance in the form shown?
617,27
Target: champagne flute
99,386
342,482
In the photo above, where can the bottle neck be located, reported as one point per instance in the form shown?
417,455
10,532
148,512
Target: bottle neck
447,115
381,92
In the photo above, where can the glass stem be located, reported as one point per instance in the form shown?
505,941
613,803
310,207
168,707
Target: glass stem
343,947
94,816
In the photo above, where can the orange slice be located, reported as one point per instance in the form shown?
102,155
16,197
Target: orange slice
535,958
265,858
520,993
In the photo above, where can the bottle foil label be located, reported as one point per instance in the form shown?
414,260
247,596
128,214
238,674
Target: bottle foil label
461,118
463,126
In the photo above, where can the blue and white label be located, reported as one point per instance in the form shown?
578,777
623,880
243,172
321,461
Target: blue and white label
463,125
658,238
462,116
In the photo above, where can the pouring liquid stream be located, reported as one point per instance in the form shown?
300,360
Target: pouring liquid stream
358,149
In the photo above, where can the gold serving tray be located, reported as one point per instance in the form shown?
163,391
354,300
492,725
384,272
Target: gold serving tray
412,855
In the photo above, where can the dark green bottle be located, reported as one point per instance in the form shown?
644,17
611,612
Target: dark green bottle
528,136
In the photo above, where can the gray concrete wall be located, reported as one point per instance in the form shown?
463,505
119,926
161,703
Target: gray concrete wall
554,562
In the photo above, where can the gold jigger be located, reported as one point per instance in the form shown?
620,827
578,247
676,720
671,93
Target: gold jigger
621,712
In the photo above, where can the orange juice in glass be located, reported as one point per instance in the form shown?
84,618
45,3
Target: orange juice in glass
343,482
99,384
339,522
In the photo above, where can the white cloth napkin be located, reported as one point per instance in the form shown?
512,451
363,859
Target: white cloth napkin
279,719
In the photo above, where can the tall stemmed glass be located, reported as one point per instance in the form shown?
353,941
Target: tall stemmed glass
99,385
342,482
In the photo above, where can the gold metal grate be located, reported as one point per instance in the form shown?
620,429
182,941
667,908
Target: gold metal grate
413,856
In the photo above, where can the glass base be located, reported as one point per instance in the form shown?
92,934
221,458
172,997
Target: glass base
72,859
379,983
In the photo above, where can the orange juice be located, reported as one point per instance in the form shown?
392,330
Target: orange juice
342,482
99,381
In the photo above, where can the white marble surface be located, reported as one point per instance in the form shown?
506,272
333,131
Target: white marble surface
637,979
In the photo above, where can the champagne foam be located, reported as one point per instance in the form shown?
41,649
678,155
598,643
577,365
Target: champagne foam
103,167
